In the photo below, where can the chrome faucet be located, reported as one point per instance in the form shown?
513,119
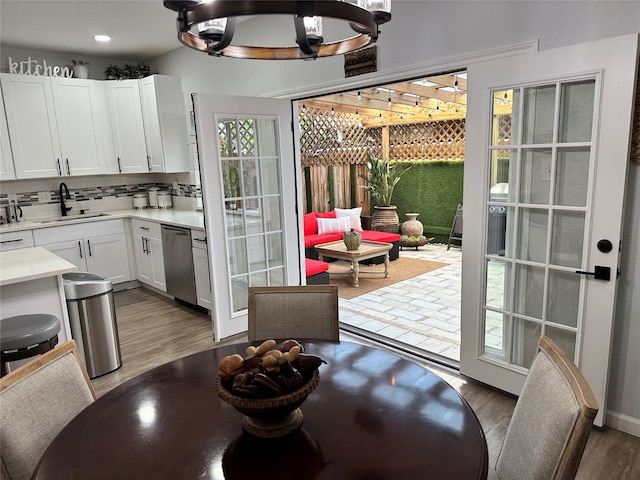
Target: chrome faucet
64,209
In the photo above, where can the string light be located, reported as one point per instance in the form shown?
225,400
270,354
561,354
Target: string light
304,108
389,100
417,102
333,112
359,95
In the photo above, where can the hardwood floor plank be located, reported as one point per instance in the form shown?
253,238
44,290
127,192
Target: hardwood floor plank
158,330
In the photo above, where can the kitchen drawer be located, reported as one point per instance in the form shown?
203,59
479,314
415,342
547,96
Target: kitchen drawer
198,239
65,233
16,240
146,228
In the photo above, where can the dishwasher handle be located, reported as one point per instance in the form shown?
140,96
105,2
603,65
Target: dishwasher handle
176,230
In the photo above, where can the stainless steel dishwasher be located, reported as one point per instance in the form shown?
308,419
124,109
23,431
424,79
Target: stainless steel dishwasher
178,263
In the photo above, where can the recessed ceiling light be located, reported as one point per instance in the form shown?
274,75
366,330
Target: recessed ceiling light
102,38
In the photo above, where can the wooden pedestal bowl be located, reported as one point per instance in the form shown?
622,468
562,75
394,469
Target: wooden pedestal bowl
270,417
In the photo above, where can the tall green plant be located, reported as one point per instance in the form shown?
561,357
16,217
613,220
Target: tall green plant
381,180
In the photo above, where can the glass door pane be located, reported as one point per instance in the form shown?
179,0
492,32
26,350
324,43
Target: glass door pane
537,206
251,188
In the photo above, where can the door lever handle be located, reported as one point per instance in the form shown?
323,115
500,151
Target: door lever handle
599,273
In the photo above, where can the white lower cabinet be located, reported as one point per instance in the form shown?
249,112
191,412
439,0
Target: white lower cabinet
16,240
103,253
147,239
201,269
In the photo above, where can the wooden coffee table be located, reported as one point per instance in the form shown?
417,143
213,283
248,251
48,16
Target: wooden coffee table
367,250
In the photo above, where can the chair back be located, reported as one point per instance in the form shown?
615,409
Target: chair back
551,421
309,311
36,401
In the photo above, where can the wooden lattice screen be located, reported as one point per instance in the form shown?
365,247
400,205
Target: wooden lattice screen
336,139
427,140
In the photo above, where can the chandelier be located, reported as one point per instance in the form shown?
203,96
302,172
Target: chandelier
209,25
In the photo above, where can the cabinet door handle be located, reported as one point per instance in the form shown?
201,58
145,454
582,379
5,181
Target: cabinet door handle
143,228
89,245
58,165
13,240
144,249
149,162
80,248
68,169
201,239
119,165
148,249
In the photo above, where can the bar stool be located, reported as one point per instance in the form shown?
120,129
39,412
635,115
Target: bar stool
25,336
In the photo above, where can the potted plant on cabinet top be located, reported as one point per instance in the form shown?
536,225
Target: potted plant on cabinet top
382,178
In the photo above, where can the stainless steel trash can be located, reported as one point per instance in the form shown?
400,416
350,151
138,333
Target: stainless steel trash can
92,315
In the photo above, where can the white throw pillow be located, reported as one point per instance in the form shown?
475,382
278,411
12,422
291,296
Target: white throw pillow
333,225
354,217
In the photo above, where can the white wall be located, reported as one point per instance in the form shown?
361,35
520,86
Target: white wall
422,32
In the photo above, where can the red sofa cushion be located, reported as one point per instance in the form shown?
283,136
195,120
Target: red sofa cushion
310,223
331,214
375,236
316,239
313,267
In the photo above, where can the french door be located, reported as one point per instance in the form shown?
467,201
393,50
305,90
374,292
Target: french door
247,170
547,144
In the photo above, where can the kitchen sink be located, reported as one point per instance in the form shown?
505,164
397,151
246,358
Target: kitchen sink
80,216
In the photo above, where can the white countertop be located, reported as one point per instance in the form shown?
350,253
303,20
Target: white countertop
179,218
27,264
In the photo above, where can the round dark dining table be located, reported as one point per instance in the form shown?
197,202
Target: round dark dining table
374,416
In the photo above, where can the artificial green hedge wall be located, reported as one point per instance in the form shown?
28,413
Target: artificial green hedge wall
432,188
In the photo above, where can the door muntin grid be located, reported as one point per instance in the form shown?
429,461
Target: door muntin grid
537,210
251,188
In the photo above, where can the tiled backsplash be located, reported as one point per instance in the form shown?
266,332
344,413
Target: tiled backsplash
102,192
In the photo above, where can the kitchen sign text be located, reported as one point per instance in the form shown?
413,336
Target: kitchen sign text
32,67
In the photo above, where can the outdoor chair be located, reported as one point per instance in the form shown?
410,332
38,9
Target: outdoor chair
36,401
309,311
551,422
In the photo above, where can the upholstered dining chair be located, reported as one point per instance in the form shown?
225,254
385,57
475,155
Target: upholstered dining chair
36,401
309,311
551,421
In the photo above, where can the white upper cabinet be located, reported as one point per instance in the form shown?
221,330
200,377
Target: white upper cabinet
33,130
57,126
127,126
83,125
6,158
165,124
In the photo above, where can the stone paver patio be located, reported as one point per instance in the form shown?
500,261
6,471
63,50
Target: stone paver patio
422,312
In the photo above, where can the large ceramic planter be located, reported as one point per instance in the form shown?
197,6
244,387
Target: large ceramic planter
385,219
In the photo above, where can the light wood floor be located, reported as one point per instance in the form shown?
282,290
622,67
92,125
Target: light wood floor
158,330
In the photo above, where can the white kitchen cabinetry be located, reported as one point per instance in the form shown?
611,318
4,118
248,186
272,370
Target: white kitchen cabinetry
16,240
147,240
6,158
103,251
165,124
57,126
127,126
201,269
